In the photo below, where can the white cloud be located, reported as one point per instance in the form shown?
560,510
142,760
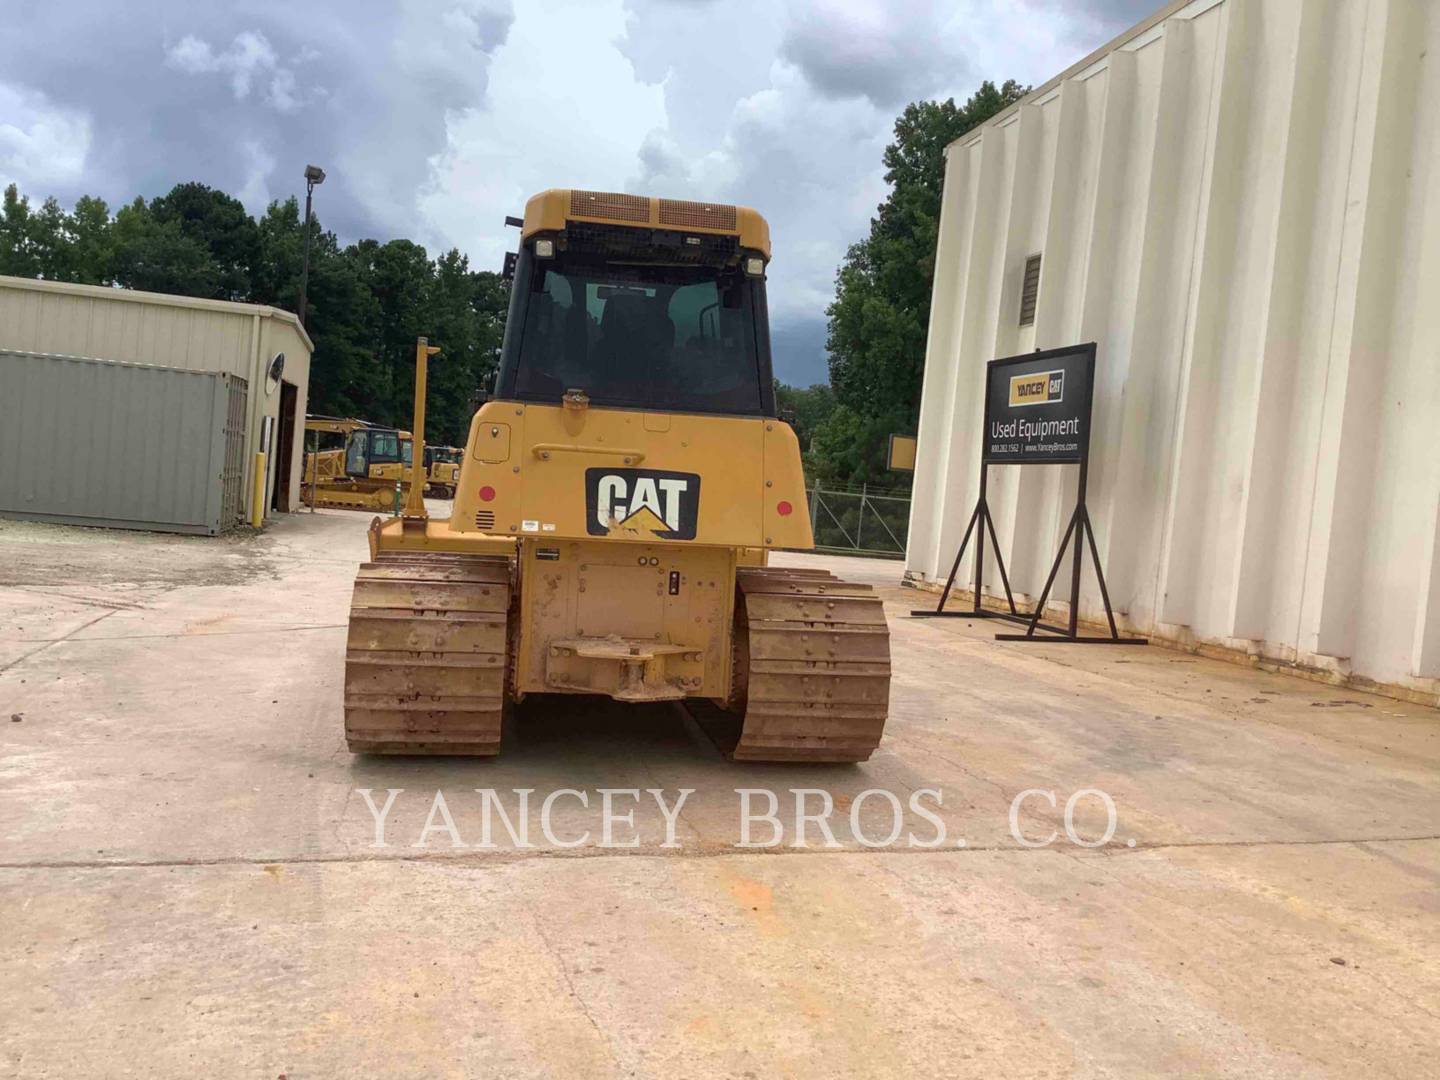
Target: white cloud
41,143
436,118
786,107
246,62
283,94
866,48
434,70
192,56
255,192
564,109
800,135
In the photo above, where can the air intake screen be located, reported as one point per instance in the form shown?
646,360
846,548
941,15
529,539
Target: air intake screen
610,204
485,520
660,245
697,215
1030,291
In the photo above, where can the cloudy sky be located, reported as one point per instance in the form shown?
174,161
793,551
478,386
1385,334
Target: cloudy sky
436,118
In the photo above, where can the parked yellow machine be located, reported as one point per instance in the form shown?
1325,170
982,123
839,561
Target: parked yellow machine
619,495
442,470
362,473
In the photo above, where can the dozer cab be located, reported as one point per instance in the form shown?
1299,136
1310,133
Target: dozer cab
620,492
442,470
362,472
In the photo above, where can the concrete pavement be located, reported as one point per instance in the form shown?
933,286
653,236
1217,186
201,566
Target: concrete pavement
191,882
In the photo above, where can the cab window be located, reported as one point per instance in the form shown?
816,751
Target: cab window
384,447
642,336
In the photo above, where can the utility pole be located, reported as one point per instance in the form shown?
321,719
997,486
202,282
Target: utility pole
313,175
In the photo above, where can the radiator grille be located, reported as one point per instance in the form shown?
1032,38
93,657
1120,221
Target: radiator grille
485,520
610,204
697,215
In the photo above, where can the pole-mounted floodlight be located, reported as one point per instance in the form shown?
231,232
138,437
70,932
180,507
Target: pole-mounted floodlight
313,175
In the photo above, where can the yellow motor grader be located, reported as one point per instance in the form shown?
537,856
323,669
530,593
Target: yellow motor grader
361,473
621,489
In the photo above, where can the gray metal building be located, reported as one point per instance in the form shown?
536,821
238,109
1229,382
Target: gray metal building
96,442
112,399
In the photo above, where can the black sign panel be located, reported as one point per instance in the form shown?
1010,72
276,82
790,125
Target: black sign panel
1037,407
650,503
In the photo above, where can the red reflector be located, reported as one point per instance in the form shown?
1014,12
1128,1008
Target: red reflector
783,508
487,493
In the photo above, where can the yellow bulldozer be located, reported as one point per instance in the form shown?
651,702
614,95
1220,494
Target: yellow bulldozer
622,487
362,473
442,470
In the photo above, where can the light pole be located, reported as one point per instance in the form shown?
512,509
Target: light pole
313,175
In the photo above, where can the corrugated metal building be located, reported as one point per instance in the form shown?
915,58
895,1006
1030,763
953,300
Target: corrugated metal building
1239,200
160,331
131,446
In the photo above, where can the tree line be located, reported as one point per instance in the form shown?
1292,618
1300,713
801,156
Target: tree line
880,316
368,301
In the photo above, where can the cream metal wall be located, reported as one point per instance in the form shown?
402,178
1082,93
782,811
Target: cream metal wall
170,331
1240,202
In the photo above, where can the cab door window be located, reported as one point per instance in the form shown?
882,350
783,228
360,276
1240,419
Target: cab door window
357,461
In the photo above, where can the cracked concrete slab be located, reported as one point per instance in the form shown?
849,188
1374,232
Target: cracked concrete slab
191,883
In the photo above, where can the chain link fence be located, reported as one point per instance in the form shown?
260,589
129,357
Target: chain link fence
865,521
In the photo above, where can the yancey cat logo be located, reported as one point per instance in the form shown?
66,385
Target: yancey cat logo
642,502
1037,388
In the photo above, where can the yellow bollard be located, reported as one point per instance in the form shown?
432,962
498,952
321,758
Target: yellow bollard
257,496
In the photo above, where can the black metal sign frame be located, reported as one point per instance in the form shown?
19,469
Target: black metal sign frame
1042,389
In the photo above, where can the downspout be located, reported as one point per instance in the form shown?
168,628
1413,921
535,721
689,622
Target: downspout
252,413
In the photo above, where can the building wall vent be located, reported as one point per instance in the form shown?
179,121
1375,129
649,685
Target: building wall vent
1030,291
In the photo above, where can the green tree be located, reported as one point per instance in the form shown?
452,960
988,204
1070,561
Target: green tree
157,256
466,319
17,247
810,406
398,274
52,242
341,316
366,305
280,239
92,241
881,311
219,223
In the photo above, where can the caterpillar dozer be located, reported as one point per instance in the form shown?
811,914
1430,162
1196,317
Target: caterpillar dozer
623,484
362,473
442,470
